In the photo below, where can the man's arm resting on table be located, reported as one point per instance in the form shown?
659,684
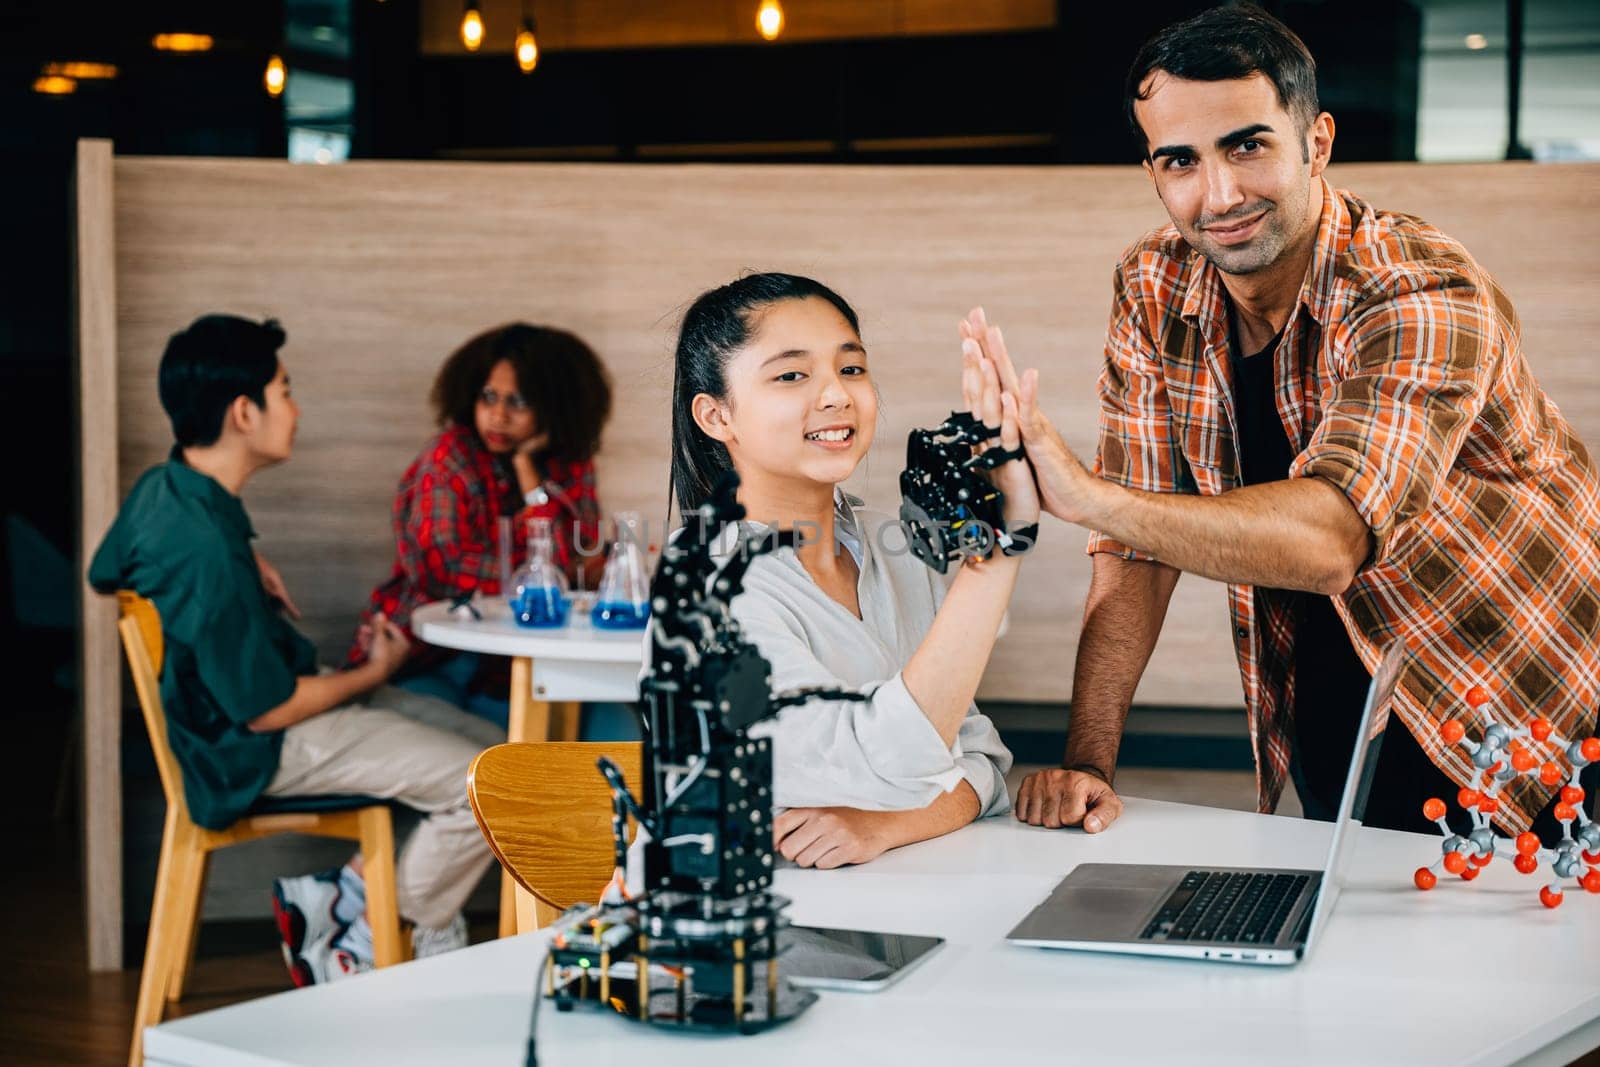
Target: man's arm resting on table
316,693
834,837
1122,618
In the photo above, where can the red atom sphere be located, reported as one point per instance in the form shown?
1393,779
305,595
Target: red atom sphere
1550,898
1592,858
1565,813
1540,729
1426,879
1523,760
1469,874
1452,731
1433,808
1528,843
1526,864
1591,881
1488,805
1455,862
1572,794
1590,749
1550,774
1477,696
1468,798
1481,859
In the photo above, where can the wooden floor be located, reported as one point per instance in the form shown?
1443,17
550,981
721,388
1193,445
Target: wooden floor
54,1013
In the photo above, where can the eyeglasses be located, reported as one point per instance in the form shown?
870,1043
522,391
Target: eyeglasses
489,399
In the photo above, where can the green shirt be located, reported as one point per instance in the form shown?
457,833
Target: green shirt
183,541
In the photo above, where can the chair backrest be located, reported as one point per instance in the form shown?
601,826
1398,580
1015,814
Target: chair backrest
141,639
546,812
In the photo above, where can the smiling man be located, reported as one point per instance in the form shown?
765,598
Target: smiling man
1326,406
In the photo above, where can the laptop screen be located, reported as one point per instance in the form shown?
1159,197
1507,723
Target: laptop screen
1357,785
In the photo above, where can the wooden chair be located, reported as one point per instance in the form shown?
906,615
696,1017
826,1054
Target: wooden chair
186,847
531,719
546,812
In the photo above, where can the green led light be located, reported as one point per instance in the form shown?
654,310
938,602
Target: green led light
583,963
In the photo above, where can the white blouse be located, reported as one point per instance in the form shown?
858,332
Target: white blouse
881,753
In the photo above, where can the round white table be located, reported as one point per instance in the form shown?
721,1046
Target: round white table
551,670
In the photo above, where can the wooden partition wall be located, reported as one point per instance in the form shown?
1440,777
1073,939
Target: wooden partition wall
378,269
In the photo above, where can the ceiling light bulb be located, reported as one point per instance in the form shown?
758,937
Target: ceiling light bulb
81,70
275,76
1477,41
769,19
527,48
182,42
55,85
472,27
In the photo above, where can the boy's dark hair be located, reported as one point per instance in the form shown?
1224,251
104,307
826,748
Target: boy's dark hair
559,376
209,365
1227,42
717,324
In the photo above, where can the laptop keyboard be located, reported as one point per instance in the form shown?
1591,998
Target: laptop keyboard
1233,906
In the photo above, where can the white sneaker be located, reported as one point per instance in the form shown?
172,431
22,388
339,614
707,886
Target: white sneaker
304,910
435,941
326,961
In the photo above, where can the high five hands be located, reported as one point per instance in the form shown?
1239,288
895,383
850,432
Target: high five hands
1063,482
1058,796
988,402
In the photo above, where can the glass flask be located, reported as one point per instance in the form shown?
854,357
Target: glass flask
539,589
624,599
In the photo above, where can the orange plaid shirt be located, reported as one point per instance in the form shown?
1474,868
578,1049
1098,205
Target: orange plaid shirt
1401,380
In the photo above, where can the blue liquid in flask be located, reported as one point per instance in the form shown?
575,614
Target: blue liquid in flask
540,607
620,615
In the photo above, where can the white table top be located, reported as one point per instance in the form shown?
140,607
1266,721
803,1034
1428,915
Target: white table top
1467,974
497,635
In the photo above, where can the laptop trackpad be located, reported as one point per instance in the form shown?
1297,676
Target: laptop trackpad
1100,901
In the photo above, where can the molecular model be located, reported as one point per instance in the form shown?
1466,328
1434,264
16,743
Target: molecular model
1502,755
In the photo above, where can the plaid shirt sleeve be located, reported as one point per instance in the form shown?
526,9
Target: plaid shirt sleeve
1138,448
449,544
1391,429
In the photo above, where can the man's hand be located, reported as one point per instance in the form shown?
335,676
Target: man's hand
387,649
1060,797
831,837
272,581
1063,481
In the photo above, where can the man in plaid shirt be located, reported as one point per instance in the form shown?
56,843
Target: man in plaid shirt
1326,406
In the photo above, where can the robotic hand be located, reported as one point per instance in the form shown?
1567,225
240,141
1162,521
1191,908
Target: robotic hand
950,511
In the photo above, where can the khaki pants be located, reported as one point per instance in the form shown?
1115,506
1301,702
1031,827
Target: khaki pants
414,749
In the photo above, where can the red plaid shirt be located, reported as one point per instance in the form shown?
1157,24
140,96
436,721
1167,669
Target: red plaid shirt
446,526
1402,381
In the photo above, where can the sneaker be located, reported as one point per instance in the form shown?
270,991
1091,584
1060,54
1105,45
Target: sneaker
435,941
304,910
325,960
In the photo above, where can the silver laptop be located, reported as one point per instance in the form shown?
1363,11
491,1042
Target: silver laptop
1234,914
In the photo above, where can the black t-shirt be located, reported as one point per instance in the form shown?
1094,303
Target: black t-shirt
1330,683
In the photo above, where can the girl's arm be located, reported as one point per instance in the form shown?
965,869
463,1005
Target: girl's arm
833,837
943,674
